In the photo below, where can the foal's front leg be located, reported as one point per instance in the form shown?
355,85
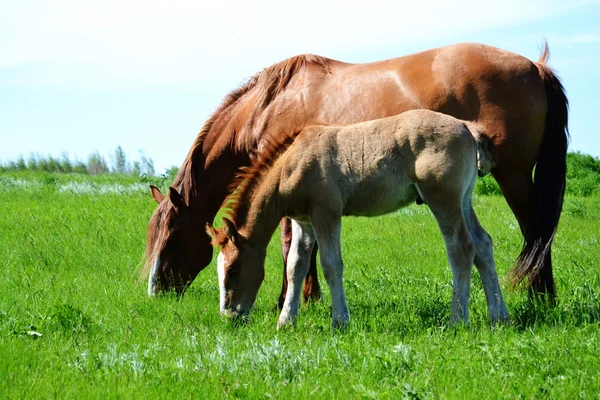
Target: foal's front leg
298,260
312,289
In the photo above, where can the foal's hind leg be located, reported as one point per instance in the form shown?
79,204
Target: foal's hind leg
461,252
328,231
484,261
303,240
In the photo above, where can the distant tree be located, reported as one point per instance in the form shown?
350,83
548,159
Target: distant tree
136,170
53,165
32,163
120,161
79,167
146,164
171,173
96,164
21,166
42,164
65,163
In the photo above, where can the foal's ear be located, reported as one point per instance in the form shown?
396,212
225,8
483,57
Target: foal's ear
231,231
158,196
211,232
176,199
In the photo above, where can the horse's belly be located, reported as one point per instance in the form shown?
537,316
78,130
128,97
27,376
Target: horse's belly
371,200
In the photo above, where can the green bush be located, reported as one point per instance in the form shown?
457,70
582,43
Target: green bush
583,175
487,186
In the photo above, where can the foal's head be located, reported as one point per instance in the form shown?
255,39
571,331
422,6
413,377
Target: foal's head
241,269
176,249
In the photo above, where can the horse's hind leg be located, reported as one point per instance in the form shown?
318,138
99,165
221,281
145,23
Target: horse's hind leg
303,240
518,192
484,261
312,289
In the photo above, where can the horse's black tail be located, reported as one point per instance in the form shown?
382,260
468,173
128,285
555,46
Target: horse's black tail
548,188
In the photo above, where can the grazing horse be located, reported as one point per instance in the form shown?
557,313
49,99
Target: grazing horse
367,169
520,104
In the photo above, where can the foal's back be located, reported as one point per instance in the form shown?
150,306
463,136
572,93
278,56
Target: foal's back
375,167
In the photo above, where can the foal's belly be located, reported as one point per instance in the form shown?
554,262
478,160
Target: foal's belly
377,198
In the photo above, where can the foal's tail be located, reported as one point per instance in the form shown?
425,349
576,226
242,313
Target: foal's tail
486,151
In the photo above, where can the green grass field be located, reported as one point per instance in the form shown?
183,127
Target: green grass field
75,321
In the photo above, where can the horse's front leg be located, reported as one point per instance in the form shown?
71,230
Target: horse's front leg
301,247
328,232
286,241
312,289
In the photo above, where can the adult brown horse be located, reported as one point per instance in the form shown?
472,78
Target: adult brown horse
520,104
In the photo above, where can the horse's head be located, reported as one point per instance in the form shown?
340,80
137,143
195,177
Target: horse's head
177,248
241,269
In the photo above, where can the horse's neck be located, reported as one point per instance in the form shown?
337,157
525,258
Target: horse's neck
264,209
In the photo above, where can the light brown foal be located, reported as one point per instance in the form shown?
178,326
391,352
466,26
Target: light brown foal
367,169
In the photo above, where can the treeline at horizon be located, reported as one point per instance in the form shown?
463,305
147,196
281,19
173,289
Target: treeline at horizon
583,170
96,164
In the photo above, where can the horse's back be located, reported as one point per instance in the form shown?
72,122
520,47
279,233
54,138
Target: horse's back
499,89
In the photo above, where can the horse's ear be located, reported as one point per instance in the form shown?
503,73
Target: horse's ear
231,231
176,199
158,196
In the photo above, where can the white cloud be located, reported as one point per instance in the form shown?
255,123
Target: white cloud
580,38
154,41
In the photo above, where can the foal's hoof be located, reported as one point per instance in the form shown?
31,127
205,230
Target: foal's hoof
338,324
456,321
501,320
284,323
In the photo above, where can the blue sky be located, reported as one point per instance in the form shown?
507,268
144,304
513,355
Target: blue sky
78,76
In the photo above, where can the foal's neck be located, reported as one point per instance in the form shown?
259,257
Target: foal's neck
264,209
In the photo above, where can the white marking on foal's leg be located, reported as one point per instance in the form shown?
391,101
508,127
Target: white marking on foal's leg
153,278
221,277
298,263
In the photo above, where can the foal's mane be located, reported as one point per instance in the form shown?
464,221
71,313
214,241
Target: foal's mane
267,84
248,179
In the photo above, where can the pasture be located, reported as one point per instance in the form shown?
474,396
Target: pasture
75,320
